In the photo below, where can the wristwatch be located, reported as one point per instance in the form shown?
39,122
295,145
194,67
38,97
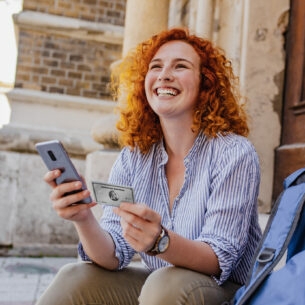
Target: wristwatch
161,243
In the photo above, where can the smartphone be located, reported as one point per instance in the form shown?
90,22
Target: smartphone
55,156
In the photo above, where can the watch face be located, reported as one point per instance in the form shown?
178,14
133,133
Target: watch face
163,243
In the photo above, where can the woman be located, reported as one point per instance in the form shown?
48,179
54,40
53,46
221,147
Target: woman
195,178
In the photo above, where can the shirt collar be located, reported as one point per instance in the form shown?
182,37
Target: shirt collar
163,156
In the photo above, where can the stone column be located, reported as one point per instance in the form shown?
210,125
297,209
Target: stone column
201,17
262,68
230,29
143,19
204,22
175,14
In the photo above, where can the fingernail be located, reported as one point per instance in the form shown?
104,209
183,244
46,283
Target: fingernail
78,184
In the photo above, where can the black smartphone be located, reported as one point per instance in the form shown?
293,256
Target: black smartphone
55,156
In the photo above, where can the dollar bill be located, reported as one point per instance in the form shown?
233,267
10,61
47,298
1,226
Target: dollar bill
112,194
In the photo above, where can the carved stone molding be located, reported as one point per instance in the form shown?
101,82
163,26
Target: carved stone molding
71,27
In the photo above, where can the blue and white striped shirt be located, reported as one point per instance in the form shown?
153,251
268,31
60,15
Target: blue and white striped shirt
217,203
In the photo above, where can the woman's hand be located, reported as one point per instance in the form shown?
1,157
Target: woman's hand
64,204
141,225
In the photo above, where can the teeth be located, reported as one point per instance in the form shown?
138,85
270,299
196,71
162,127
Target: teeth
165,92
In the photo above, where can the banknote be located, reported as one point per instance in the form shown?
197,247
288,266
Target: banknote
112,194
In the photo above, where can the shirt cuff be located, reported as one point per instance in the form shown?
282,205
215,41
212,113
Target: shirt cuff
226,260
83,255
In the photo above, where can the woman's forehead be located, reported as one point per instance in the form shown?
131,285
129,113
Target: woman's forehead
176,49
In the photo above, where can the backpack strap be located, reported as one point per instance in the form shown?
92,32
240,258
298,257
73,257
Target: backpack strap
295,178
280,228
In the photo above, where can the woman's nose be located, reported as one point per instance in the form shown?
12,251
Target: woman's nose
165,75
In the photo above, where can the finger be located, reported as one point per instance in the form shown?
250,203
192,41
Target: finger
131,233
137,228
50,177
71,212
66,188
151,227
67,194
133,227
130,218
140,240
140,210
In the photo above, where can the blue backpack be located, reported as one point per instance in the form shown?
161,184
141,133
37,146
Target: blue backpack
285,232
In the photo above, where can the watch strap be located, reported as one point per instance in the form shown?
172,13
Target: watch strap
155,248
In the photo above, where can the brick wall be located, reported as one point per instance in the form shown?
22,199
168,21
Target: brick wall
106,11
61,64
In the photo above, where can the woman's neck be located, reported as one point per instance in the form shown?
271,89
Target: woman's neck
178,139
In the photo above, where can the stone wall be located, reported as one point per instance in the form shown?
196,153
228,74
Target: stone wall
29,225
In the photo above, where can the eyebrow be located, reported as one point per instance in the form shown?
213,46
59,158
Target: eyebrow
175,60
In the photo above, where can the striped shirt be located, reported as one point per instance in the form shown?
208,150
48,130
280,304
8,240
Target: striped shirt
217,203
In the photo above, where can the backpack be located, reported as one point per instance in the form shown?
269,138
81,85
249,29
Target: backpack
284,234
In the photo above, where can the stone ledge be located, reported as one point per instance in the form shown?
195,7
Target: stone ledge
39,116
71,27
39,250
23,140
29,96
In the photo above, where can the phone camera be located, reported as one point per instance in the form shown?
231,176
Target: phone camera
51,155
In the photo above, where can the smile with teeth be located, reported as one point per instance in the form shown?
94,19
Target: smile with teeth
166,92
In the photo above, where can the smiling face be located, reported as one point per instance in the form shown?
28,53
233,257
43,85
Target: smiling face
173,79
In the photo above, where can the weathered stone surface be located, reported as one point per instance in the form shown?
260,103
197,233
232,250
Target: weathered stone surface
27,219
104,131
8,194
26,212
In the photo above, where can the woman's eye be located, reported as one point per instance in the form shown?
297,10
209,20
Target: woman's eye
154,67
181,66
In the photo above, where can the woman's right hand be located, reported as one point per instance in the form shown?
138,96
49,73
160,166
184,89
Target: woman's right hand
65,205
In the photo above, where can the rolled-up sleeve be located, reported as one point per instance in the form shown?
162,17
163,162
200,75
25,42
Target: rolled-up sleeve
123,251
109,221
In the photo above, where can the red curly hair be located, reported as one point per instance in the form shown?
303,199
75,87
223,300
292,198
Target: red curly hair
217,111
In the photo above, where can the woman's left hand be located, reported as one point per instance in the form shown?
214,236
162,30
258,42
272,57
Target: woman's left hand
141,225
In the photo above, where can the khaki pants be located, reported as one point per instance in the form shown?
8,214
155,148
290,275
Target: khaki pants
88,284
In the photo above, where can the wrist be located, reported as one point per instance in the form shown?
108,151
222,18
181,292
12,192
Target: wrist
161,244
